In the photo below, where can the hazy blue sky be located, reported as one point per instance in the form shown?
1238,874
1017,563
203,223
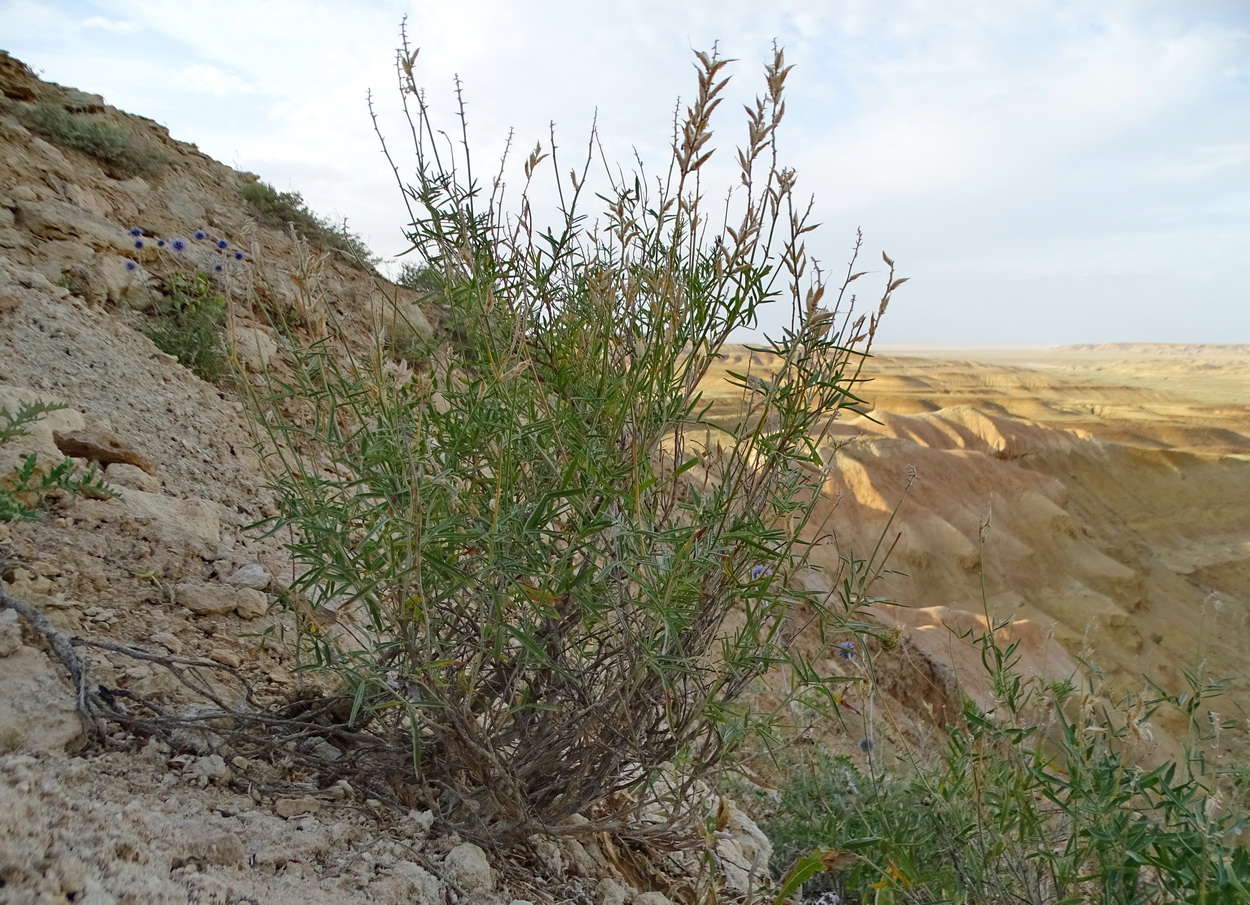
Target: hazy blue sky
1045,172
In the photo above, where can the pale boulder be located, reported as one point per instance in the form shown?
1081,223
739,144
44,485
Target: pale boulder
125,476
58,220
467,867
206,599
37,710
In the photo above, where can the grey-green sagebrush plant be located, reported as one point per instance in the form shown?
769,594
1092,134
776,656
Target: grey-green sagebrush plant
551,574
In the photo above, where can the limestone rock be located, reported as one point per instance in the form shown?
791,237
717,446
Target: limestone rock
103,447
296,807
652,898
193,524
254,347
467,867
58,220
611,892
743,851
205,844
39,436
123,475
109,279
251,575
37,710
212,769
206,599
419,885
61,257
10,633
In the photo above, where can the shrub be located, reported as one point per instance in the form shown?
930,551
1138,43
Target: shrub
28,486
282,210
538,568
1044,800
188,324
419,279
124,153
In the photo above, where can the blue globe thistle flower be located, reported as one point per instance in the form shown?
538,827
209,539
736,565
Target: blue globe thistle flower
160,243
138,243
222,243
200,235
135,231
131,265
846,650
758,572
217,268
238,255
178,244
866,745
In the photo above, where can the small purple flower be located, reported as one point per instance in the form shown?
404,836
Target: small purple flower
846,650
216,268
866,745
160,243
200,235
138,243
135,231
178,244
238,255
131,265
222,243
758,572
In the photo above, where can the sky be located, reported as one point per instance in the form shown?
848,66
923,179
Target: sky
1044,171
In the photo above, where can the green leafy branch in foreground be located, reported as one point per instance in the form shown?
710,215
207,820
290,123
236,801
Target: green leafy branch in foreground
1049,798
537,564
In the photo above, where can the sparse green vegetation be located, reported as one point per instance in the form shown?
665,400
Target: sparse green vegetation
1047,799
188,324
420,279
123,152
25,489
281,210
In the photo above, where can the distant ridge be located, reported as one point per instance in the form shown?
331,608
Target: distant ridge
1162,350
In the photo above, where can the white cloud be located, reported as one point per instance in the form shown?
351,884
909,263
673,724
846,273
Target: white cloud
207,79
112,25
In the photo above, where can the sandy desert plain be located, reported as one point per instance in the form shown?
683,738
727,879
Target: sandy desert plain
1100,492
